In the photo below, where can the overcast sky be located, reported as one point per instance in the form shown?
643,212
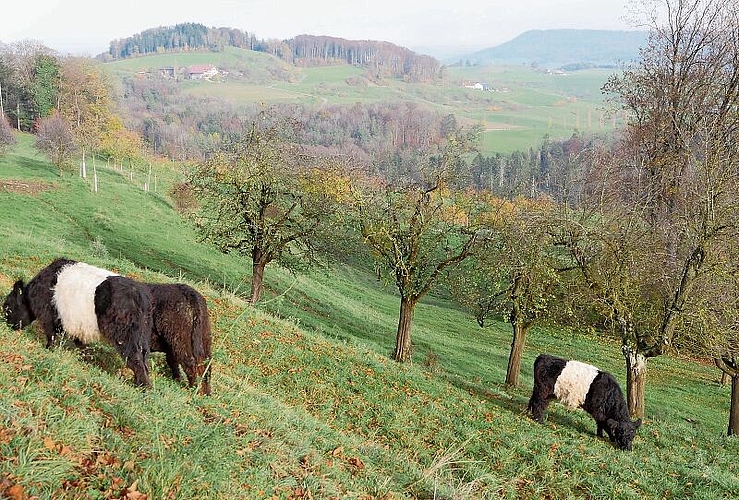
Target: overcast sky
86,27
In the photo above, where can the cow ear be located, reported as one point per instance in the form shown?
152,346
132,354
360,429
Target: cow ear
18,287
637,424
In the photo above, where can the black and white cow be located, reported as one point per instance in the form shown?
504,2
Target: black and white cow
87,304
579,385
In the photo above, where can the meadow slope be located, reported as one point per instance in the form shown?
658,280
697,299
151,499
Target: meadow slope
306,402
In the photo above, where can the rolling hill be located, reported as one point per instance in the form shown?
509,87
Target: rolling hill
563,47
520,107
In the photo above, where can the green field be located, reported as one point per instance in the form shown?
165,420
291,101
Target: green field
306,402
523,107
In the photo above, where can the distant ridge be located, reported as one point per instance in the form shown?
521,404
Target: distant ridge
563,47
382,59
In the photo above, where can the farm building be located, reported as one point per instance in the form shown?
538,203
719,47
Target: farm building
201,71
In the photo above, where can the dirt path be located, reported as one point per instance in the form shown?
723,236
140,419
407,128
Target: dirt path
24,187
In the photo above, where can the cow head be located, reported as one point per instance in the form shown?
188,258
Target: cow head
15,308
622,433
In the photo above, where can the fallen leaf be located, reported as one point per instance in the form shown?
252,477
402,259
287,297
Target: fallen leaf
356,463
15,492
49,443
133,493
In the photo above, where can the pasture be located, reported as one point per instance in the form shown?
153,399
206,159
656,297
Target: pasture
523,106
305,401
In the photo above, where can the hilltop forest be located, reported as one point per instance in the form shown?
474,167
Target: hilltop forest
382,59
632,235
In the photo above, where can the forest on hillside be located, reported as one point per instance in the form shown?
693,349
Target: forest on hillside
382,59
384,136
182,127
180,37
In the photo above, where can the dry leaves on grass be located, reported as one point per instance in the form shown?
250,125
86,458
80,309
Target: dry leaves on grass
12,491
133,493
355,463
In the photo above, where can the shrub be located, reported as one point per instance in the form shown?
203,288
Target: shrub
7,139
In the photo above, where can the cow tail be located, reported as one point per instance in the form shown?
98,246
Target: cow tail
199,325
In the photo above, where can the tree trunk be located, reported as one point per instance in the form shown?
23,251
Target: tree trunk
636,379
83,165
734,409
403,338
257,278
514,360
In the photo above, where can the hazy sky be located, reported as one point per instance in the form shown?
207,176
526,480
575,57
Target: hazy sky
86,27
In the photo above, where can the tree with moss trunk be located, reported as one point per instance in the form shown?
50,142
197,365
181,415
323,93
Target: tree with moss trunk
513,272
709,328
260,197
416,227
612,250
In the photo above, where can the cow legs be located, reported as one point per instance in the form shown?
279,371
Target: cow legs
601,427
204,370
173,364
195,371
190,370
52,328
538,403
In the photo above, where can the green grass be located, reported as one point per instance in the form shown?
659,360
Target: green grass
306,402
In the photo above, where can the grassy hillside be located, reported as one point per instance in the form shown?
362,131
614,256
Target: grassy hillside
306,403
523,106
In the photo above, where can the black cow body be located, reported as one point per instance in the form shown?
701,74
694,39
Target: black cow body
580,385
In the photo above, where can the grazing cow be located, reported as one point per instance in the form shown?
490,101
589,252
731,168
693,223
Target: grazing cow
87,304
181,330
581,385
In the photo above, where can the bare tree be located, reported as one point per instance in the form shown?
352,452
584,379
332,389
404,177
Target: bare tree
54,138
664,205
7,138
